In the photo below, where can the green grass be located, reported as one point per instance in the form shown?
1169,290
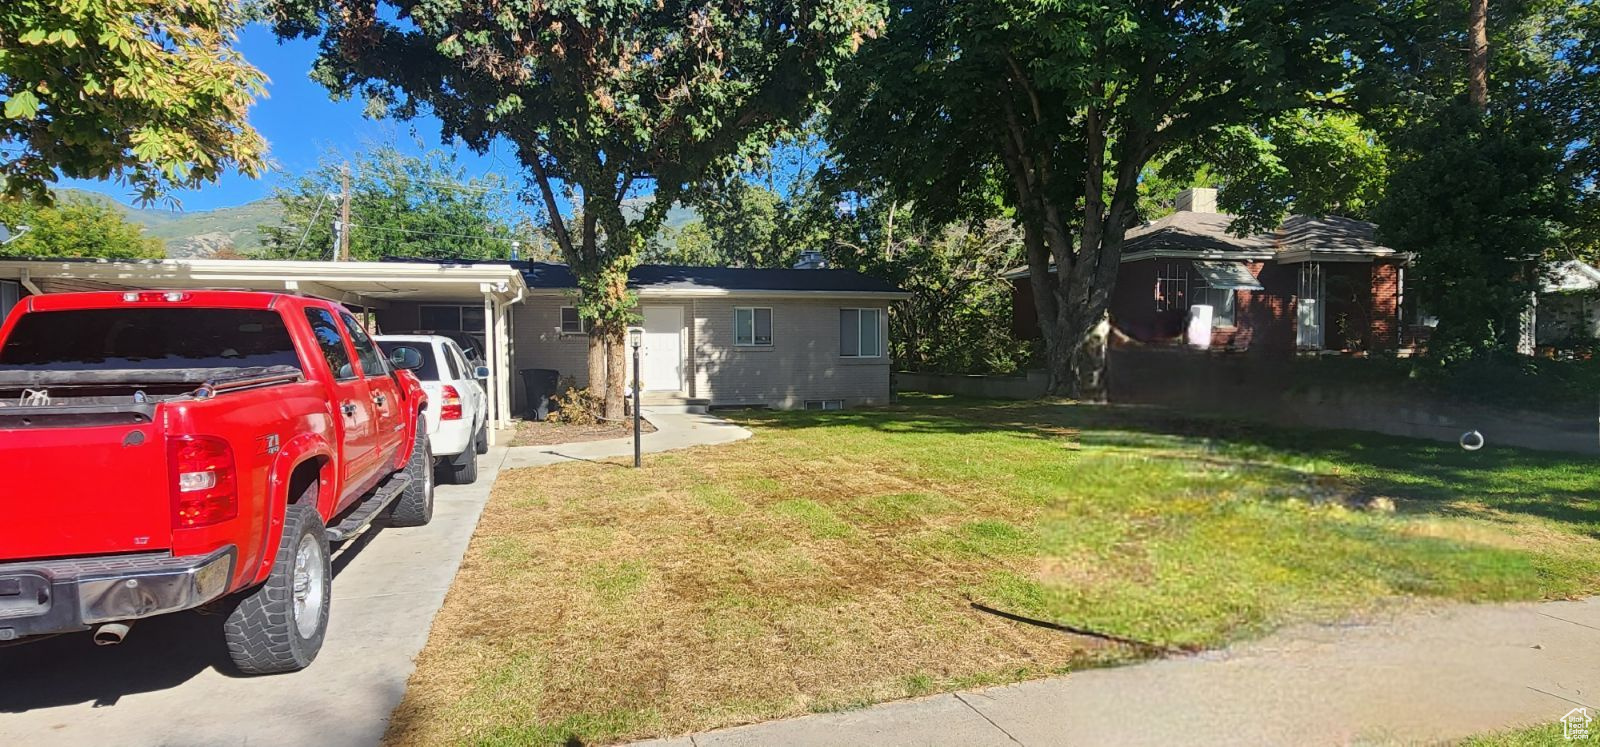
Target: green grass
836,559
1548,735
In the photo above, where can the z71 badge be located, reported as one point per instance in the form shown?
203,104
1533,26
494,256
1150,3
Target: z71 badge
269,443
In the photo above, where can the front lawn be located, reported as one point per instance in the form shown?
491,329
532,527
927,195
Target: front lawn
836,560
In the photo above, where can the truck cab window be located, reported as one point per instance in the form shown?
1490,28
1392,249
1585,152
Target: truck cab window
372,362
331,342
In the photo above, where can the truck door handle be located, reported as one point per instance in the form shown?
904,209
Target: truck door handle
379,399
349,409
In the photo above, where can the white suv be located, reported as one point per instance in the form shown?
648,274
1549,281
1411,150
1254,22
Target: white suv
457,414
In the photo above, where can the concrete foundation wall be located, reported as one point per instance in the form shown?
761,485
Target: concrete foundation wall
1264,389
1028,386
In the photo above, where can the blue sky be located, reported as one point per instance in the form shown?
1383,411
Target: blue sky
300,122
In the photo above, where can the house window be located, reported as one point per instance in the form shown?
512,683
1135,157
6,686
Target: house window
10,294
572,323
451,318
824,404
1177,291
1221,301
752,326
1172,287
860,333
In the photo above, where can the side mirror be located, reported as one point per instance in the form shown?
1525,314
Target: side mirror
481,372
405,358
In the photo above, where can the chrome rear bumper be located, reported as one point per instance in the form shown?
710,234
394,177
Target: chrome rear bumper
58,596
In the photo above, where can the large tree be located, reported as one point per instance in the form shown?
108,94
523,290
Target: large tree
401,205
1060,106
601,99
1494,110
149,92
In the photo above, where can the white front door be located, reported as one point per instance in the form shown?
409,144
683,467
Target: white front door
663,349
1308,307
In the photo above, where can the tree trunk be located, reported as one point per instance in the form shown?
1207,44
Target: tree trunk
597,361
616,372
1076,358
1478,54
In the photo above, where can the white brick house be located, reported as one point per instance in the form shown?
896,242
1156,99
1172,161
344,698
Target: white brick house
785,339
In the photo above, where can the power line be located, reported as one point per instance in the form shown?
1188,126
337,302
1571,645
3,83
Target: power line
458,186
434,233
309,224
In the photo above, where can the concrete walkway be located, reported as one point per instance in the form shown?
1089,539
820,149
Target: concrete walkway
163,686
1419,678
674,430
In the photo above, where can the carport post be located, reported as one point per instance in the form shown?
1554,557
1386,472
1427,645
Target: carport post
491,345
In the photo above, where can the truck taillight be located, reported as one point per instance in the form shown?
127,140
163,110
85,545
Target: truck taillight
450,408
204,490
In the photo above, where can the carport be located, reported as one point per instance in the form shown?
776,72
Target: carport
364,286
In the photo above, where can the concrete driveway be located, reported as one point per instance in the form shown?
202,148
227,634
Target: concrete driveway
169,683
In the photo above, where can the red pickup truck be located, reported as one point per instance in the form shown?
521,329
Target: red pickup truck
167,450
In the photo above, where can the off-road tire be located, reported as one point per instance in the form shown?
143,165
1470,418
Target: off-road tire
262,632
464,473
414,507
480,442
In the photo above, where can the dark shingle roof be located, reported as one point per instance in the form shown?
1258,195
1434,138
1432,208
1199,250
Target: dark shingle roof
1194,232
678,277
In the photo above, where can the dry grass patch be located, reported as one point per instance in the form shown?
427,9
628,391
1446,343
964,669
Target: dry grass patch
833,560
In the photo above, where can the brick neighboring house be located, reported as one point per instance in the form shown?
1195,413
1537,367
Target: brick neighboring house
1314,283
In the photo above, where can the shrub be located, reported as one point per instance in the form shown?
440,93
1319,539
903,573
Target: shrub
576,406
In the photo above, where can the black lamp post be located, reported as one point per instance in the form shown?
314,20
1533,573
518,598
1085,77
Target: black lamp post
636,339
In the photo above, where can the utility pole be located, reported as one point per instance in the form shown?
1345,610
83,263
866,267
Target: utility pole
343,252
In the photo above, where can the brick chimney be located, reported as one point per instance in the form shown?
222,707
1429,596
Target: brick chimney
1197,200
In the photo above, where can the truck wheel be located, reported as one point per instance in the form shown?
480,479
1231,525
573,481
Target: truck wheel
279,626
414,507
480,442
467,473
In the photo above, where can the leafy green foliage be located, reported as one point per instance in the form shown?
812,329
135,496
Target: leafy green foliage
74,228
1057,108
1476,199
738,226
400,206
601,99
1304,161
958,319
146,91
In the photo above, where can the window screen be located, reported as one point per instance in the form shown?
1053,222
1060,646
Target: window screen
149,338
752,326
571,322
860,333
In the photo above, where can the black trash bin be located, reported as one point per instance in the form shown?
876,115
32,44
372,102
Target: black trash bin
540,386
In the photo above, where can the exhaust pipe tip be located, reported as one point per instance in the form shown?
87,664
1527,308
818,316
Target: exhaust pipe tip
110,634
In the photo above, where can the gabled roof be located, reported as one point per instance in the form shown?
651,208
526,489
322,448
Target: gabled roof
1569,276
688,280
1300,238
1206,232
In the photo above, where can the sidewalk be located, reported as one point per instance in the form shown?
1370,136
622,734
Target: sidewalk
674,430
1422,677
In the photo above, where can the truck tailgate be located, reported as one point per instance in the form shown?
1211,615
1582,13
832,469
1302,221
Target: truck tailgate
81,485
